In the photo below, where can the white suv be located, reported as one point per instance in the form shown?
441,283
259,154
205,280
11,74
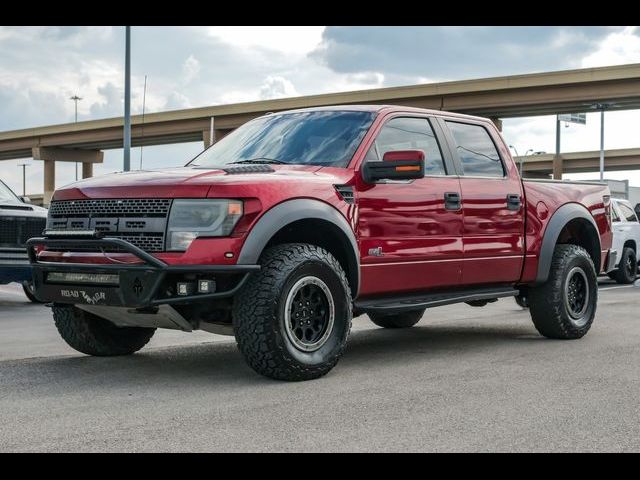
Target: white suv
626,239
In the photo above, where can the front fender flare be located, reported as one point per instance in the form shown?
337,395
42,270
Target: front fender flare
288,212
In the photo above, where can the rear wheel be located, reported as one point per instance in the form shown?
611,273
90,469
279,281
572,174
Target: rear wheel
397,320
93,335
627,268
565,305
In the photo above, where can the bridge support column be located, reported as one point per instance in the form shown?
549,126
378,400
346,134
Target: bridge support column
87,170
208,140
49,181
557,167
498,123
51,155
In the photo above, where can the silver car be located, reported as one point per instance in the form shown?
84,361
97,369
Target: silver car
626,240
19,221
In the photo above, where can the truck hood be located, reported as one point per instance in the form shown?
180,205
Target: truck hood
192,182
9,208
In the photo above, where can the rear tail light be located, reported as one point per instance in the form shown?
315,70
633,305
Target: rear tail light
606,200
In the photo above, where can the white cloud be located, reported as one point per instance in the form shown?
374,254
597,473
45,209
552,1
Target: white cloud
286,39
176,101
275,86
111,103
616,49
190,69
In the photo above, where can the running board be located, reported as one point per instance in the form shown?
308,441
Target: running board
419,301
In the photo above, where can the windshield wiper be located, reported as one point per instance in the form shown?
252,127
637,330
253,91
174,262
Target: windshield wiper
260,161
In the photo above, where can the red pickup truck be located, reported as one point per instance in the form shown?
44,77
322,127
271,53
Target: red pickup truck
297,221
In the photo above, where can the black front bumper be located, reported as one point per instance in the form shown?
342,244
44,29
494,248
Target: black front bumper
138,285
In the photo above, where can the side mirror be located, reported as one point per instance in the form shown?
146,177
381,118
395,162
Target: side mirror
25,199
395,165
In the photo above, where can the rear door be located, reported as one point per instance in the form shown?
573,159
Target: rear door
492,203
410,238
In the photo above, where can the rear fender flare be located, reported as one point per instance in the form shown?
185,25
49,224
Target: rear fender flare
558,221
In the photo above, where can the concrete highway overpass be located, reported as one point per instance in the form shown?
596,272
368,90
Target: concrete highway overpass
499,97
579,162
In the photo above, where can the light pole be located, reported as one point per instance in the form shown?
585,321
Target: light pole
602,107
521,158
76,99
24,177
127,101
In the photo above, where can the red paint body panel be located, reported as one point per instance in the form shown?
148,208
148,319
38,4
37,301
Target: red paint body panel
543,199
421,239
425,246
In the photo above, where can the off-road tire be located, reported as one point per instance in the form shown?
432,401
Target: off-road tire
624,275
549,310
259,313
398,320
93,335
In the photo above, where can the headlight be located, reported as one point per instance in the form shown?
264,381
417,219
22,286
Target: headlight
201,218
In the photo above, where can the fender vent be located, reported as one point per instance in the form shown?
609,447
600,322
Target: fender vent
248,169
346,193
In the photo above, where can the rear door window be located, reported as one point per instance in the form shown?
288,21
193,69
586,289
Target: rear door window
476,151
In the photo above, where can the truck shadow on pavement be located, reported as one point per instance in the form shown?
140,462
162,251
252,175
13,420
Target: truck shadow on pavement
220,364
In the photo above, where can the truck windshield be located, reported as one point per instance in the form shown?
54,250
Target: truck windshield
6,195
325,138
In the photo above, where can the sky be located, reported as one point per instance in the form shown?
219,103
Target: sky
42,67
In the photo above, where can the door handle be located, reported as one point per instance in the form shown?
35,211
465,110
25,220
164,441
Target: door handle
452,201
513,201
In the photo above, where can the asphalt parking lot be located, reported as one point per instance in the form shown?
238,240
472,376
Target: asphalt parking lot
463,379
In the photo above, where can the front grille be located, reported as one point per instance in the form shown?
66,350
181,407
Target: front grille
140,221
147,242
15,231
130,207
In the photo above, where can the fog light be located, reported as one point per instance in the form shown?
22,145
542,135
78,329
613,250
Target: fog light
185,288
206,286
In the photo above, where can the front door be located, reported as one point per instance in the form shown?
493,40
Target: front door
410,237
493,204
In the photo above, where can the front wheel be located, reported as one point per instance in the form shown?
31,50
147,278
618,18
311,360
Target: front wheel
565,305
398,320
627,268
292,318
93,335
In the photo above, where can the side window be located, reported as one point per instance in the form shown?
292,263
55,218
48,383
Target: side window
404,133
627,213
476,150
